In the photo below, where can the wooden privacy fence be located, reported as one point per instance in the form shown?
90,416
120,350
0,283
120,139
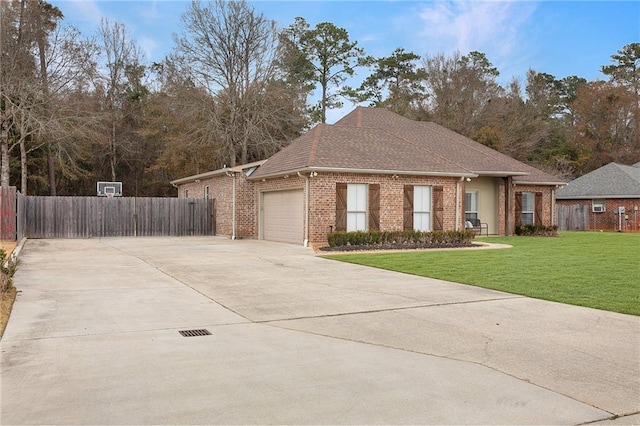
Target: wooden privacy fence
84,217
8,213
574,217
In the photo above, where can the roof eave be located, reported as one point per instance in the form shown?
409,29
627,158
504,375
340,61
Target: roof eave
206,175
494,173
549,183
596,197
461,174
201,176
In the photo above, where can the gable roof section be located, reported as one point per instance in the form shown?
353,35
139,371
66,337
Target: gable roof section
378,140
207,175
342,148
610,181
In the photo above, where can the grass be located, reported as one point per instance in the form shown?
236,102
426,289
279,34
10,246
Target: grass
598,270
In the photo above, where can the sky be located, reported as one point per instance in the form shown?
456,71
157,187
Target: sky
561,38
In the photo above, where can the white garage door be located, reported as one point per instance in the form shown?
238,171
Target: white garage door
282,216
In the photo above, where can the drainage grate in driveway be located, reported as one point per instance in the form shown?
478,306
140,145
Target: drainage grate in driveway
193,333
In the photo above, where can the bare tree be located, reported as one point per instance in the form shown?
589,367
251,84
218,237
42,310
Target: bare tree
228,52
40,60
122,64
17,72
459,89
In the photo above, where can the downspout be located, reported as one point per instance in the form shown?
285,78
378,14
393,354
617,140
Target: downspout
306,209
554,216
233,213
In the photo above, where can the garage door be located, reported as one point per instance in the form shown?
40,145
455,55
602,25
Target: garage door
282,216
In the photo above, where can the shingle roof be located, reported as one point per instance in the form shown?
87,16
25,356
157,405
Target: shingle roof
610,181
375,139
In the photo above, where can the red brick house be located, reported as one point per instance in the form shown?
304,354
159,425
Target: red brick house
374,169
593,201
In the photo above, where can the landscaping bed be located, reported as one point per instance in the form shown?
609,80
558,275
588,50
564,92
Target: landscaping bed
392,246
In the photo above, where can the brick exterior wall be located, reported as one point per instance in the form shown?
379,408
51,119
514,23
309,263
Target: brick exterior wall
608,220
322,215
322,200
221,190
548,202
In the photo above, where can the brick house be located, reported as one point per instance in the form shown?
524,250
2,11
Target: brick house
374,169
593,201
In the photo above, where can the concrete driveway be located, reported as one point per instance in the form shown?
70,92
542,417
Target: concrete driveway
295,339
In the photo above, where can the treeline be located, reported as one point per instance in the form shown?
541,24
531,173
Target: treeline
75,110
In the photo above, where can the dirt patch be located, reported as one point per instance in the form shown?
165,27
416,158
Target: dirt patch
8,297
7,290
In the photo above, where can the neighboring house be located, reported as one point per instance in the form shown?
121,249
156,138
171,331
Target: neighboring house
375,170
593,201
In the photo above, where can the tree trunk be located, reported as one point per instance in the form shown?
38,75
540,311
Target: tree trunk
52,174
113,152
23,167
4,160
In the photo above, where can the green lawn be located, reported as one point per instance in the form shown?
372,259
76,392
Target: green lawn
599,270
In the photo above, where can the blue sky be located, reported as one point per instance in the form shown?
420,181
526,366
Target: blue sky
561,38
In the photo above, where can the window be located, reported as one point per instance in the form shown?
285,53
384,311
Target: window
598,206
422,208
357,207
471,207
206,192
528,207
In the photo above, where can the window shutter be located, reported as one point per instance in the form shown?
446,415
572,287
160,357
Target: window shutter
341,206
438,208
538,208
407,213
518,208
374,207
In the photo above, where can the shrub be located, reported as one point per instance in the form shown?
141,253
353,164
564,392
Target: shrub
531,229
407,238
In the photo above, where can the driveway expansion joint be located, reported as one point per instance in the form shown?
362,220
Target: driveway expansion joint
374,311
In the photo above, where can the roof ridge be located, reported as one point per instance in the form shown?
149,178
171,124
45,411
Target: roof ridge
313,150
489,152
422,147
630,171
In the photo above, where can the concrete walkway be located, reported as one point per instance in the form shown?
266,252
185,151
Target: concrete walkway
295,339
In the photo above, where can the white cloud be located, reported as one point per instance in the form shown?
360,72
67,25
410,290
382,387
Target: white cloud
497,28
149,47
86,11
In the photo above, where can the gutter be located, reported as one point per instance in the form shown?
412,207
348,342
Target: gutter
519,182
596,197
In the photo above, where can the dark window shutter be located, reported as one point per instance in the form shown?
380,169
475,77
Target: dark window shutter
518,208
374,207
438,208
537,207
341,206
407,212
